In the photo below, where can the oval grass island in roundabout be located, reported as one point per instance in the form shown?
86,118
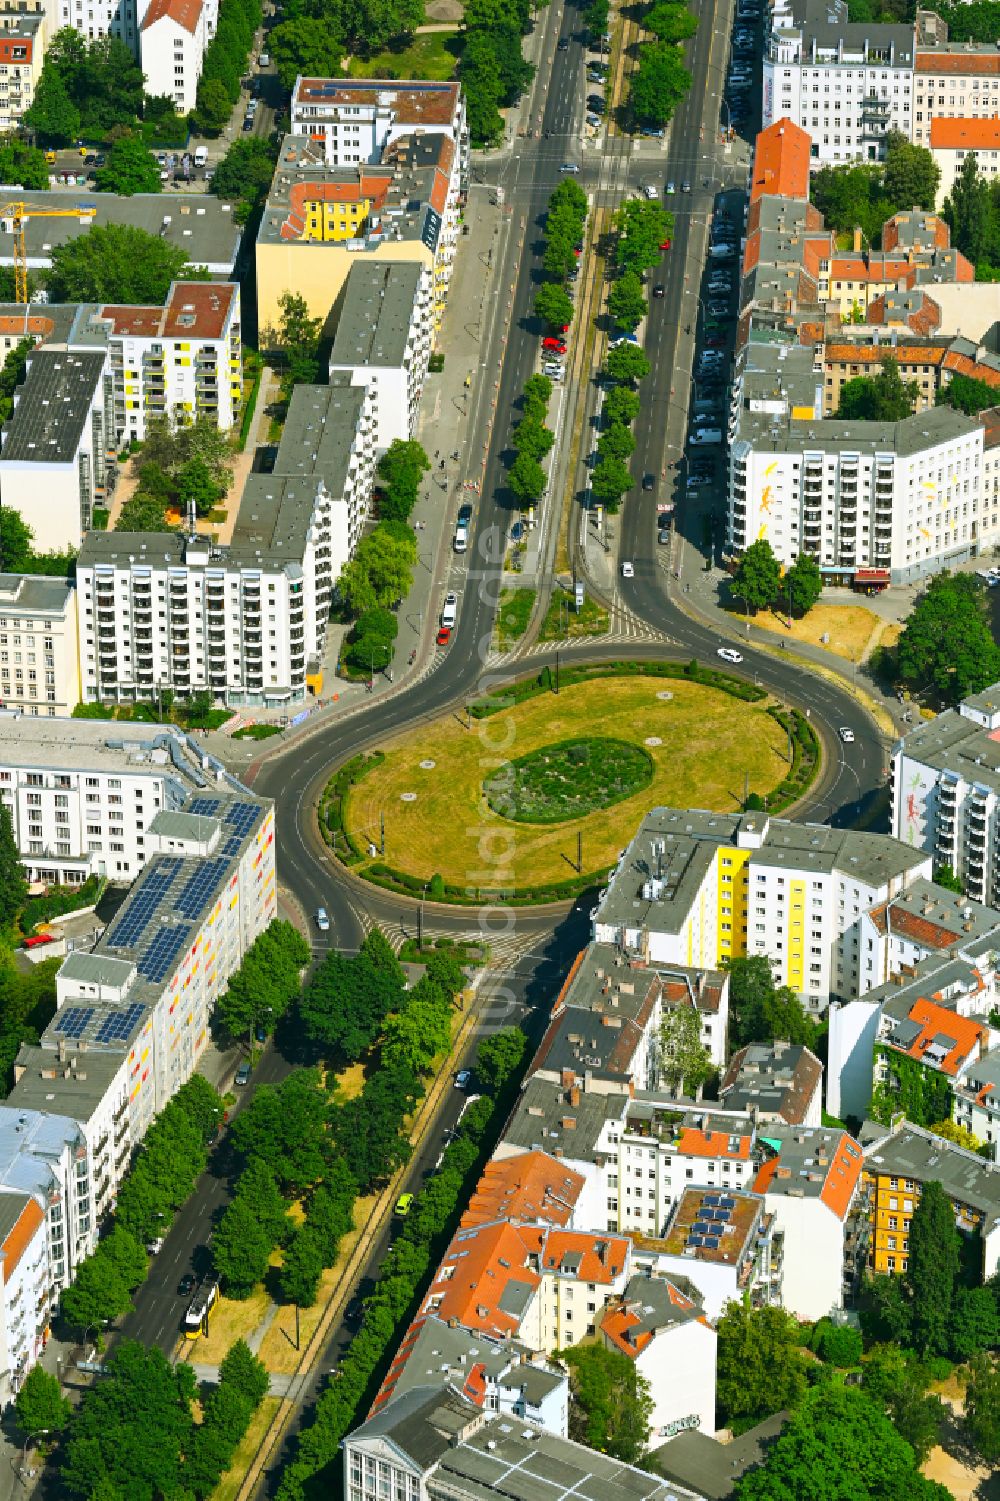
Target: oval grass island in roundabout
534,793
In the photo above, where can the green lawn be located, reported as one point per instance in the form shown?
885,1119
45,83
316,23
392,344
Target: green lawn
433,56
513,615
567,623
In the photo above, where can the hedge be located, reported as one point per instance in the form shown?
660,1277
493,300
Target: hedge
331,805
59,900
525,688
805,759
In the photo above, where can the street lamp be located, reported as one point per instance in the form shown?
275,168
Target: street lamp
41,1433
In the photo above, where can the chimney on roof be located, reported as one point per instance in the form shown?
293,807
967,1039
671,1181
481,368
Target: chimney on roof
856,240
574,1095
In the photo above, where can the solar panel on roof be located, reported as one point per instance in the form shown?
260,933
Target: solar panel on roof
205,807
700,1227
712,1242
695,1240
73,1020
726,1202
155,963
200,886
710,1199
241,817
118,1026
141,906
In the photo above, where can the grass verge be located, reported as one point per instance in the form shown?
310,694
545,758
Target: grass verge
433,55
563,623
513,615
229,1486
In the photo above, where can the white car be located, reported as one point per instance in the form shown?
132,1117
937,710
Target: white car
449,612
628,571
729,654
322,921
846,734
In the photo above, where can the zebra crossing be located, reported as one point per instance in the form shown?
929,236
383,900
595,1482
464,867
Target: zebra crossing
623,626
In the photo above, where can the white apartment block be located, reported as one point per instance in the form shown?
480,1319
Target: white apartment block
246,620
849,85
182,361
44,1154
952,142
945,790
22,46
900,498
359,122
976,1104
39,651
83,795
126,20
58,450
25,1289
732,884
385,331
956,81
173,36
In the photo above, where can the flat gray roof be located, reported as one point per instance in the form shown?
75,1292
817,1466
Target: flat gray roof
96,969
75,745
777,1079
179,825
712,1468
198,223
75,1086
35,593
376,313
544,1119
952,743
912,1152
52,407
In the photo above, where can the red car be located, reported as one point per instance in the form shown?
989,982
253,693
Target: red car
444,635
665,244
557,346
565,328
715,341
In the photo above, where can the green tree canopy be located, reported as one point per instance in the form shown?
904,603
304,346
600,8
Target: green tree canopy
757,580
947,643
966,394
660,83
22,165
115,263
526,478
499,1058
760,1011
553,305
380,571
885,397
13,886
128,169
627,363
611,1403
298,338
760,1364
610,479
805,581
244,174
40,1404
684,1063
933,1269
670,22
626,300
52,115
307,46
144,513
616,442
982,1408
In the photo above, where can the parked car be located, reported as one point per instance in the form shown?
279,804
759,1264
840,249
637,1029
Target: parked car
242,1076
403,1205
443,636
449,610
551,342
649,482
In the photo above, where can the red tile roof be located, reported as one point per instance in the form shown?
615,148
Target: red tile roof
957,63
186,13
966,1036
531,1186
620,1318
694,1143
965,134
781,162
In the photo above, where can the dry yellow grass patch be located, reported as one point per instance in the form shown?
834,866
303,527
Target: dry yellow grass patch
350,1081
707,742
230,1321
853,629
228,1487
277,1349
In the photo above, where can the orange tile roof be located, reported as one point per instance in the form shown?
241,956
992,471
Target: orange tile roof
843,1169
41,327
940,232
532,1186
186,13
965,1035
781,161
961,364
874,354
619,1318
603,1258
965,134
877,268
694,1143
19,1237
957,63
909,924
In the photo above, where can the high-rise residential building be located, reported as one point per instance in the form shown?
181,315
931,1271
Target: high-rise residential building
39,649
385,329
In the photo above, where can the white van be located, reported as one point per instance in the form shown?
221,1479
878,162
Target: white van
264,60
461,541
201,156
706,435
449,611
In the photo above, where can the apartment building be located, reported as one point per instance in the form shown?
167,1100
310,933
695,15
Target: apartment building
82,797
385,326
714,886
22,47
899,1160
182,361
246,620
775,1082
848,84
433,1444
976,1100
358,122
44,1155
659,1324
930,364
952,142
812,1187
922,1050
322,217
58,452
945,792
173,36
39,651
722,1243
951,80
25,1289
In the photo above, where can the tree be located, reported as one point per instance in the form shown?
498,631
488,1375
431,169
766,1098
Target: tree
897,1381
982,1408
98,1294
670,22
911,175
803,583
838,1446
762,1011
115,263
933,1269
143,513
129,169
15,534
348,998
302,1268
242,1370
212,110
757,580
482,84
610,480
11,377
611,1403
946,877
298,338
947,643
244,174
837,1344
950,1130
660,83
285,1126
241,1248
22,165
760,1364
500,1057
380,571
13,886
885,397
553,305
685,1065
975,1324
526,478
197,484
126,1255
53,115
641,227
532,438
40,1404
627,363
966,394
305,46
970,212
616,442
400,471
626,302
621,404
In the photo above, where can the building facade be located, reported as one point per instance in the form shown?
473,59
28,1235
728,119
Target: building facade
173,36
39,648
25,1289
22,47
385,328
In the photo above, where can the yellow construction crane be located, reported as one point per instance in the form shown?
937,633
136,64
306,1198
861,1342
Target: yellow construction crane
18,213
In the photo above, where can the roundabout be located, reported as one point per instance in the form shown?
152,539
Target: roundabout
538,798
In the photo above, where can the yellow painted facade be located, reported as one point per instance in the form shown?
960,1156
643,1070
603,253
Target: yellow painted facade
894,1201
317,272
731,873
330,222
795,975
